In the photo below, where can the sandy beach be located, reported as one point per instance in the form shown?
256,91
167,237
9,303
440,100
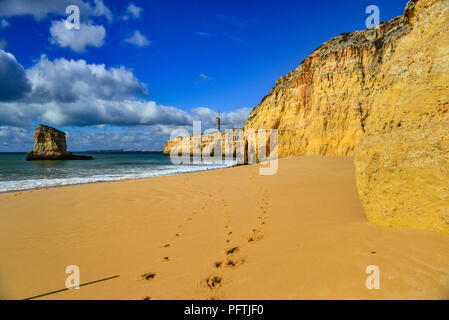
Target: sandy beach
224,234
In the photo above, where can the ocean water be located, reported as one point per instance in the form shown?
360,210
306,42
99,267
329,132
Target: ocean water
18,174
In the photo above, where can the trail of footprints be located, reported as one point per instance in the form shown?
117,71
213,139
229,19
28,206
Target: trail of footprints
152,275
232,260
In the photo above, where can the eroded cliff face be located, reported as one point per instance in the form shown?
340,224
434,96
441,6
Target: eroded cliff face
232,142
402,162
321,107
382,96
49,140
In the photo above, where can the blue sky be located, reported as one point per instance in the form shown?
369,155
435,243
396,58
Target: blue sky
165,63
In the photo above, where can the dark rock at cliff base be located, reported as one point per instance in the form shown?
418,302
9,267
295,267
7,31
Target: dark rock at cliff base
50,144
63,156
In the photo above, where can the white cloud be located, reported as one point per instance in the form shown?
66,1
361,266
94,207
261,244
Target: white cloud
100,9
4,23
229,120
205,77
107,140
15,139
13,81
138,39
132,11
65,80
22,139
77,39
65,92
40,9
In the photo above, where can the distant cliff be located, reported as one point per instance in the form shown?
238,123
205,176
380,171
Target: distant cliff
199,144
50,144
382,96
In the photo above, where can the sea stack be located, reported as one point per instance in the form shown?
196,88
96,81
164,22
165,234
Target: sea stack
50,144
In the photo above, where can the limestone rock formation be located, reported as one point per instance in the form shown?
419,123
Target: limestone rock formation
382,96
50,144
231,140
171,145
402,161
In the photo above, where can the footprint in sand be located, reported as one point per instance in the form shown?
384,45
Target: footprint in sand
233,263
147,276
255,238
232,251
214,282
228,220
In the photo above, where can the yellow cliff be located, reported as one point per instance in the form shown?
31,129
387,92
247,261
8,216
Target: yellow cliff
382,96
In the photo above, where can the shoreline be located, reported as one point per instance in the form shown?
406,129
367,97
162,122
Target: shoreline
220,234
118,180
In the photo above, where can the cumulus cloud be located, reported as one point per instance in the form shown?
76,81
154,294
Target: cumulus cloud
14,83
22,139
3,44
21,113
132,11
74,92
107,140
138,39
229,120
152,135
100,9
65,92
77,39
4,23
157,124
40,9
63,80
15,139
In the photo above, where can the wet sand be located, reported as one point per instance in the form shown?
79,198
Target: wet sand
225,234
